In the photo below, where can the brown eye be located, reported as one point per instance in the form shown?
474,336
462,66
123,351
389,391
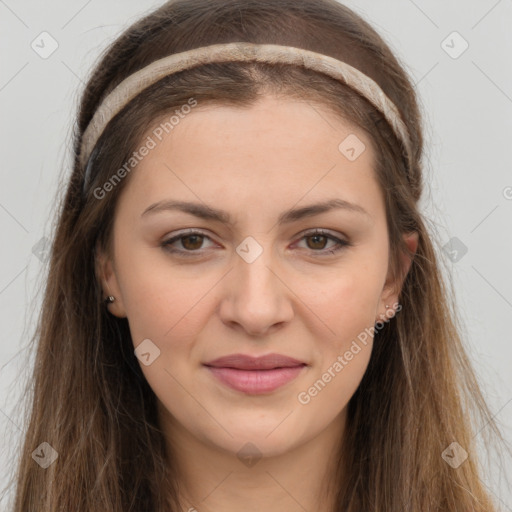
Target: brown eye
318,241
187,244
192,242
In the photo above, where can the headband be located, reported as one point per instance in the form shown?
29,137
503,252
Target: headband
134,84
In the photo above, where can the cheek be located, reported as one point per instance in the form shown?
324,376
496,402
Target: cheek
348,309
347,306
160,297
347,301
169,309
166,309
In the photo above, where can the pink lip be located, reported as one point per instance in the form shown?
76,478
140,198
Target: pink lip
255,375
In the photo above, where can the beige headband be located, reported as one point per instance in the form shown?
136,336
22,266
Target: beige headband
239,52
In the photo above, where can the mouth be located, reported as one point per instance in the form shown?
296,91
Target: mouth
255,375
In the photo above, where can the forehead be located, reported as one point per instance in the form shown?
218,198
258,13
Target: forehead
277,151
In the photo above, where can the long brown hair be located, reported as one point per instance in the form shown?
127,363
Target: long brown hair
89,399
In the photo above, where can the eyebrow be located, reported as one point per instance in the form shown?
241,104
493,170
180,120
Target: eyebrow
209,213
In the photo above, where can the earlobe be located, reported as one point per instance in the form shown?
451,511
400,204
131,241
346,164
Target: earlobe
105,273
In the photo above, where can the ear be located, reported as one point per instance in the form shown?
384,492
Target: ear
394,283
105,273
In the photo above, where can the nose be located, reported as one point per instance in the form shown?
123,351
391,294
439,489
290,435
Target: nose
256,297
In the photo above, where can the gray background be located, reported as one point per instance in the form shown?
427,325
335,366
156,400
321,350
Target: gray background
467,103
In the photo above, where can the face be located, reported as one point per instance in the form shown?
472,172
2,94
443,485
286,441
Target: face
280,246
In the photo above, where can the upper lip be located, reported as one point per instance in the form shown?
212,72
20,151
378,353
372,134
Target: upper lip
245,362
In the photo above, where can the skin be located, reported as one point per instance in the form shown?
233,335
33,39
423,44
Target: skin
254,164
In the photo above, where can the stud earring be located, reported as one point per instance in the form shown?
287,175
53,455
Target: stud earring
110,298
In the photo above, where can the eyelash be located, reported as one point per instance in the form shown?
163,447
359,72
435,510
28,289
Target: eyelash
341,244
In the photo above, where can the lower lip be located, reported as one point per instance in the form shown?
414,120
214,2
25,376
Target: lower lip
256,382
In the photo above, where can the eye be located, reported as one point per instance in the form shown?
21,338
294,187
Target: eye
191,241
318,239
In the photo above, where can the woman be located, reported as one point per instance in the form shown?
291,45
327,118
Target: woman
244,307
